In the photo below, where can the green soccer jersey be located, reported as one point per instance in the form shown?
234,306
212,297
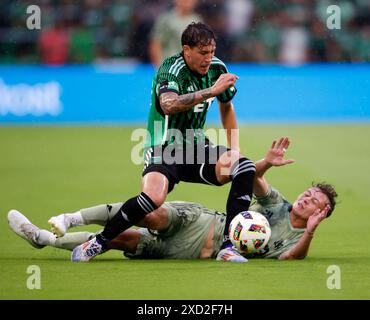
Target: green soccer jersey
175,76
277,211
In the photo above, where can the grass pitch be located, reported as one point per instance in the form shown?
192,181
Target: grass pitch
46,171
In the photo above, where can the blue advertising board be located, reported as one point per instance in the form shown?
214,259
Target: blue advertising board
120,93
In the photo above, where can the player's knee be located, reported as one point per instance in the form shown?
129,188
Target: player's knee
155,186
235,156
229,162
228,158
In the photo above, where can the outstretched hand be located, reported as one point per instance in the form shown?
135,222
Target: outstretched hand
275,155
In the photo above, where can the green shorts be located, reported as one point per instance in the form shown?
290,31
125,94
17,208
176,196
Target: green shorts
189,225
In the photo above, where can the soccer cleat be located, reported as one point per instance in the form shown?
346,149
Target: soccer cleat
87,251
230,254
24,228
59,225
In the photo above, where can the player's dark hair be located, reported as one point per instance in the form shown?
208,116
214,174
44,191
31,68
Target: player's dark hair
197,34
330,192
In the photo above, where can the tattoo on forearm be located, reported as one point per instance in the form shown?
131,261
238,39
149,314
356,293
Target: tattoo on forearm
206,93
186,99
173,103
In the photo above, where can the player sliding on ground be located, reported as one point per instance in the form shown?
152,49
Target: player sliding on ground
184,230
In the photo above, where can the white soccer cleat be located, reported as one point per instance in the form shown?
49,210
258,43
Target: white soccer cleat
230,255
87,251
24,228
59,225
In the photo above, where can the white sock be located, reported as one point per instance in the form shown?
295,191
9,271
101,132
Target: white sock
46,238
71,240
74,219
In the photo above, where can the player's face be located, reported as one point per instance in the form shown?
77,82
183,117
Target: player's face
310,201
199,58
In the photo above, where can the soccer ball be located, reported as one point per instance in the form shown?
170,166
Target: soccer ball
249,231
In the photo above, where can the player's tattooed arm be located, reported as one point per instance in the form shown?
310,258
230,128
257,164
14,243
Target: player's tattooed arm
172,103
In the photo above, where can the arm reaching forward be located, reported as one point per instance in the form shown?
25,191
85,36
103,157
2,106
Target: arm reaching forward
172,103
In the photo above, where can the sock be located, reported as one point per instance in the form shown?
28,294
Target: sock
45,238
131,212
100,214
71,240
241,191
74,219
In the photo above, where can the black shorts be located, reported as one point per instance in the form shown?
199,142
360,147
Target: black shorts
195,163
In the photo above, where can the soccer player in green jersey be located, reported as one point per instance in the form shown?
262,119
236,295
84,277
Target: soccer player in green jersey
176,148
184,230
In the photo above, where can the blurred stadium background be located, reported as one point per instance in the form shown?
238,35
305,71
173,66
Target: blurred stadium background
72,92
93,60
248,31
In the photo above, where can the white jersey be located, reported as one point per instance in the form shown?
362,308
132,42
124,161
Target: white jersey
277,211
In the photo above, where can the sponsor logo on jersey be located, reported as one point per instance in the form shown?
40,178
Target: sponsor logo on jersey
173,85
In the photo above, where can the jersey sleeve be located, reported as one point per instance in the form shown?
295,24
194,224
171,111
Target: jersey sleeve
229,94
167,82
273,196
290,245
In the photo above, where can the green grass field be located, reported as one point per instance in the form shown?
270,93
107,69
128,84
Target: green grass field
46,171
